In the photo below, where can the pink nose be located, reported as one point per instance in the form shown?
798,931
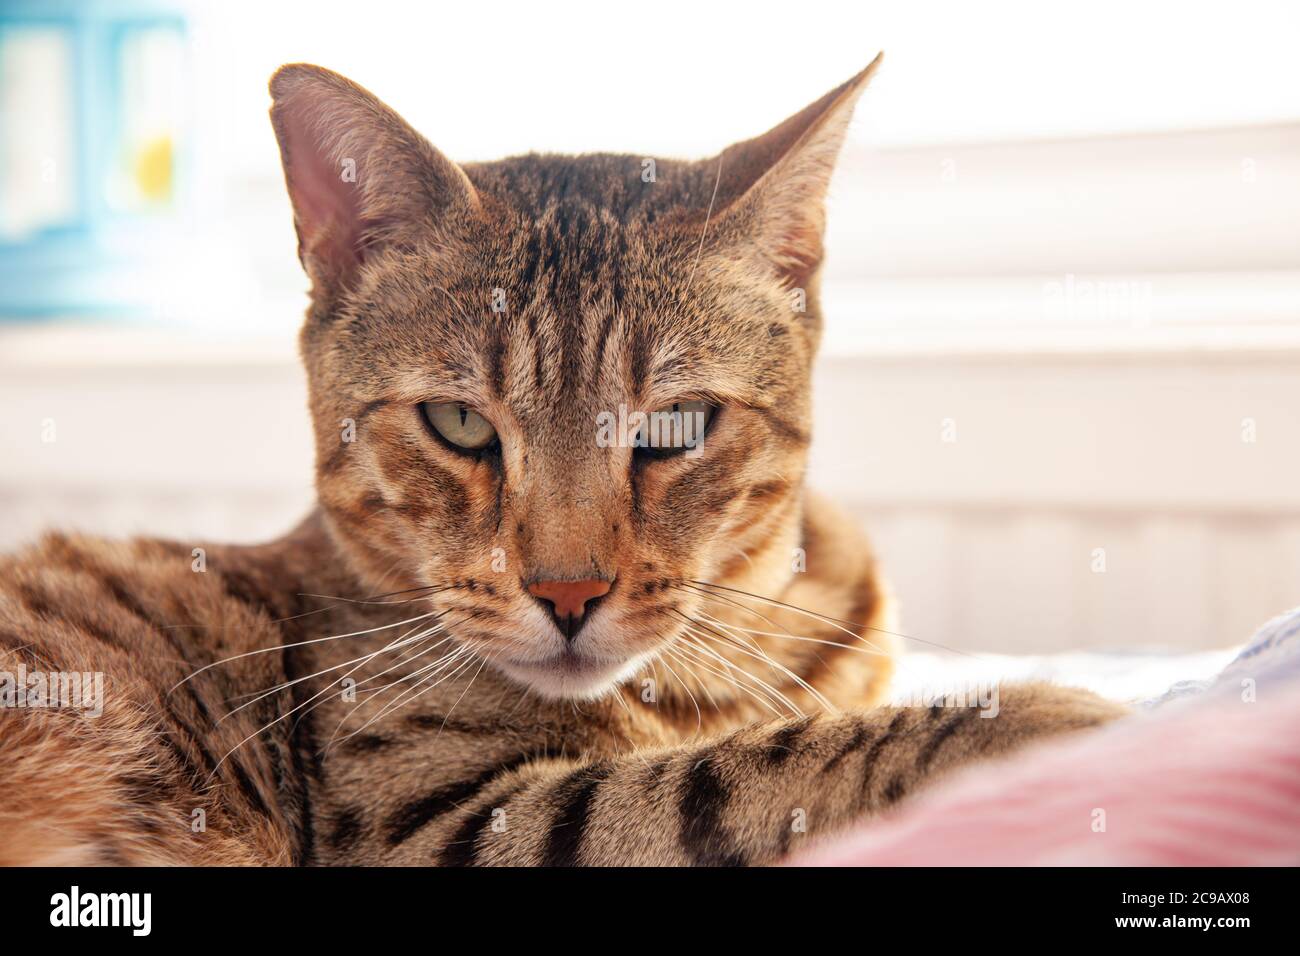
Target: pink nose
568,599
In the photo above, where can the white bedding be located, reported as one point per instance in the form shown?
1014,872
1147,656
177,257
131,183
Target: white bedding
1121,675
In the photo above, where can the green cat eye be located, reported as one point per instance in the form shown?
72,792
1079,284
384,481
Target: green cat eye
674,429
459,424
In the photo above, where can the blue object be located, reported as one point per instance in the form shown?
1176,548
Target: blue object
97,259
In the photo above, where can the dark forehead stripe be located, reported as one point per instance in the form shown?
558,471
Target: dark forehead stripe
539,357
570,288
605,312
586,230
496,359
602,341
565,251
640,361
532,260
613,183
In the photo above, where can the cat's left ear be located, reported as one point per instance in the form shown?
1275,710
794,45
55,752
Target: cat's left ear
358,175
773,188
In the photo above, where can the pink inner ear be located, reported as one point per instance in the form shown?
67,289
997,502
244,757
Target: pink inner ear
327,206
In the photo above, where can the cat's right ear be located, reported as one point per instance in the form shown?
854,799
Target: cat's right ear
358,176
772,189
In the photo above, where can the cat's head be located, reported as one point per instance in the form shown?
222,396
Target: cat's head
486,348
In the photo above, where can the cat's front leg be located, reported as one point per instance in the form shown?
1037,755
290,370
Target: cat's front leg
746,798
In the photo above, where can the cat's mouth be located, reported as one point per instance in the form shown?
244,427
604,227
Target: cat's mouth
570,674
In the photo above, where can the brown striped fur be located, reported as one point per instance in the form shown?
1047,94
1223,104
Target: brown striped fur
617,291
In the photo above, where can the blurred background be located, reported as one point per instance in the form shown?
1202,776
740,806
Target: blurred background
1061,376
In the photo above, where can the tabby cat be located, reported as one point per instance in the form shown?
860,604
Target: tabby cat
500,639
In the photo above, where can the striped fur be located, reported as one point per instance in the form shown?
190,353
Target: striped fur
378,686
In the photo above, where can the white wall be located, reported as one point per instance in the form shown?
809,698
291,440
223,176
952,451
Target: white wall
992,539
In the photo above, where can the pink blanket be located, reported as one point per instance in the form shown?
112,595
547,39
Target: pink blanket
1209,781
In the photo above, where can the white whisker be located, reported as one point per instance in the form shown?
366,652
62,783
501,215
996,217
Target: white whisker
397,702
314,640
447,716
790,637
393,645
701,684
763,693
699,718
731,665
804,611
776,666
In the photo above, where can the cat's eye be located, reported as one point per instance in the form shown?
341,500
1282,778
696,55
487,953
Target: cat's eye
459,424
674,429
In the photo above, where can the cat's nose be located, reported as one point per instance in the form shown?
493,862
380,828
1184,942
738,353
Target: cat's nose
569,600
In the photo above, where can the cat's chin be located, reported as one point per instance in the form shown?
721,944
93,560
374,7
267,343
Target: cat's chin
570,676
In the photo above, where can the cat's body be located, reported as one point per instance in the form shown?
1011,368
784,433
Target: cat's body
406,682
